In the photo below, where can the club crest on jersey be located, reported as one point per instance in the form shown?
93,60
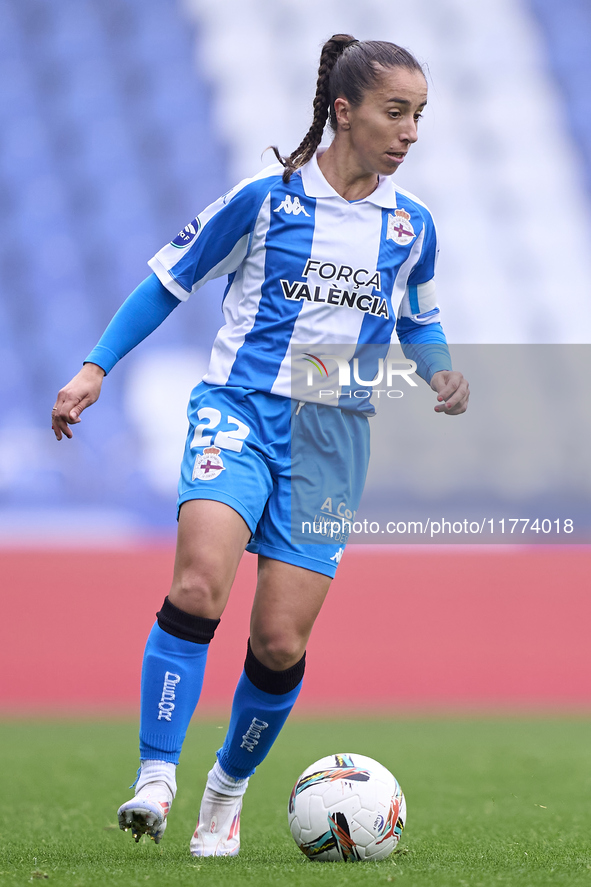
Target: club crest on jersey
400,229
187,235
208,465
291,206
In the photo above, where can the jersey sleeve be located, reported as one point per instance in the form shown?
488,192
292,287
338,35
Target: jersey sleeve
426,345
215,243
418,325
141,313
419,302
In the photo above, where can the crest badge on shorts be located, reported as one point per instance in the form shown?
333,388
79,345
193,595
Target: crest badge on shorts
208,465
400,229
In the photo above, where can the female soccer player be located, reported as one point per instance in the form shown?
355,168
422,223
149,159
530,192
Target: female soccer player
319,248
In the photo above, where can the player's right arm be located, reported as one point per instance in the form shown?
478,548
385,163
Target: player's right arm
212,245
145,309
81,392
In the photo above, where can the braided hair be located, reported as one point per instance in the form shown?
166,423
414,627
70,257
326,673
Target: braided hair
348,68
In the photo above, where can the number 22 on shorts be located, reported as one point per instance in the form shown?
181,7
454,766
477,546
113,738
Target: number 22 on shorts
225,440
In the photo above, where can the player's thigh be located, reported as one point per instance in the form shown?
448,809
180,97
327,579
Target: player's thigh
225,458
287,601
308,516
210,542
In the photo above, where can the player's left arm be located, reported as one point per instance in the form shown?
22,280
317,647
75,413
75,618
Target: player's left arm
427,346
452,390
420,332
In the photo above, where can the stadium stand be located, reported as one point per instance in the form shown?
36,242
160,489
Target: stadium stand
567,37
120,120
107,150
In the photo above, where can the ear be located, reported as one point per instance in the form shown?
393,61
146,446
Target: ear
342,110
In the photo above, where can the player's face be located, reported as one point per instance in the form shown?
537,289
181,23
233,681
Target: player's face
383,127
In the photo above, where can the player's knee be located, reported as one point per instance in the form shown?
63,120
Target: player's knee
197,593
278,650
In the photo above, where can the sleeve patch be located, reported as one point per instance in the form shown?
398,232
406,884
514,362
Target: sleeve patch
186,237
420,303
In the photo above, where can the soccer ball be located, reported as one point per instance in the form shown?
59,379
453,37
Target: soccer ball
346,807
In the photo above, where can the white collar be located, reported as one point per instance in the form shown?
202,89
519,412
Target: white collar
315,185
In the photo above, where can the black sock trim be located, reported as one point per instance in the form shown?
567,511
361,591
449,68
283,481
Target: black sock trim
183,625
269,681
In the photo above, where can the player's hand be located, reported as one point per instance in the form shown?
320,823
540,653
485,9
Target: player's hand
452,392
81,392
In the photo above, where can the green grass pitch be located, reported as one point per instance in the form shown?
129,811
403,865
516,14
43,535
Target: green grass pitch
490,802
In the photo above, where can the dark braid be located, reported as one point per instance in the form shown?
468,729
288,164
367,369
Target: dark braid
348,68
331,51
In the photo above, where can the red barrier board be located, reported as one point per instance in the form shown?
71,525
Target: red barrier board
427,627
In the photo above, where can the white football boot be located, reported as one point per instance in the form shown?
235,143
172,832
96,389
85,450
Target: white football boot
217,832
146,813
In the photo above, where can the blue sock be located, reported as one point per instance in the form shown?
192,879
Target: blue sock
172,677
262,702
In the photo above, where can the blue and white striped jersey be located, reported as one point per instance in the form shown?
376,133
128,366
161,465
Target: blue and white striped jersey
305,267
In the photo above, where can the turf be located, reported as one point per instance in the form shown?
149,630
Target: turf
490,802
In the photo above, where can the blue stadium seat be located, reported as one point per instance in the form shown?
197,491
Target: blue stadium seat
106,151
567,30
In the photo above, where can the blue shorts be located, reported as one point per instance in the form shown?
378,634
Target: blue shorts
293,471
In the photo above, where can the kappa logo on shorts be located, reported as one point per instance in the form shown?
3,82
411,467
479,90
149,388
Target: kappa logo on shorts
187,235
292,206
208,465
400,229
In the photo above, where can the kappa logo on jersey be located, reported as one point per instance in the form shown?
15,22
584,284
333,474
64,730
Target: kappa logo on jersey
209,465
292,206
228,195
400,229
187,235
337,556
